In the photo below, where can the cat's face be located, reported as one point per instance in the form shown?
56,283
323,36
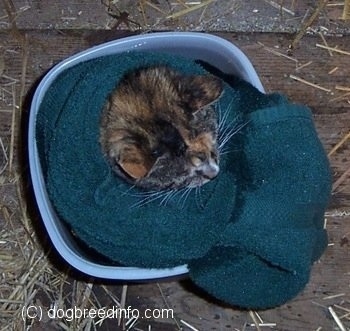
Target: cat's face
159,129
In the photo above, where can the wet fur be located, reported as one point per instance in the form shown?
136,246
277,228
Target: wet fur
159,129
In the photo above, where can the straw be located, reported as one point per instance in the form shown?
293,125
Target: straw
333,49
280,6
308,23
346,11
301,80
190,9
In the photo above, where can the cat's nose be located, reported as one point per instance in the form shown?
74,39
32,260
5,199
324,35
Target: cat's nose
212,172
209,171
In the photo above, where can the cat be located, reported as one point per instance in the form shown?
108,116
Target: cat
159,128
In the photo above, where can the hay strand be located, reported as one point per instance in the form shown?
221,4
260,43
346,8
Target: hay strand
345,96
308,23
301,80
336,319
13,129
2,64
143,13
333,49
155,7
255,320
190,9
5,158
342,88
123,300
191,327
168,306
185,4
346,10
332,71
11,13
325,43
280,7
331,297
347,311
339,144
341,179
275,52
25,51
302,66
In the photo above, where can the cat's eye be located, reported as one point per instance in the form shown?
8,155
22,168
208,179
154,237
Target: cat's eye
196,161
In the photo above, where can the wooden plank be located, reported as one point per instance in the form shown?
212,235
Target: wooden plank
223,15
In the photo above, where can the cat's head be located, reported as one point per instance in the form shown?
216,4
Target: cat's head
169,142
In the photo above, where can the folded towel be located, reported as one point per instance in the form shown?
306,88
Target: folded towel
265,252
249,237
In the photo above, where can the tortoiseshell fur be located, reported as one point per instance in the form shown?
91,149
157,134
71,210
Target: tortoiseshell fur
159,128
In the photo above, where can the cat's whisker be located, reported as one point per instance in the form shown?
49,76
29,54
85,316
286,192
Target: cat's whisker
233,131
223,134
184,196
223,115
183,191
147,193
148,199
218,110
226,151
178,194
226,129
168,195
143,202
227,124
198,195
127,192
141,193
222,118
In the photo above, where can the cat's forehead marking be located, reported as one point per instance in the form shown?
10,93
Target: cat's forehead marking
202,142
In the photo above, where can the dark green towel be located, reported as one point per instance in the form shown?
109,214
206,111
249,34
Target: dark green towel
89,196
265,253
249,237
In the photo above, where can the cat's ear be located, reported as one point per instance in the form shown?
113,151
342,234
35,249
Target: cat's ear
201,90
134,162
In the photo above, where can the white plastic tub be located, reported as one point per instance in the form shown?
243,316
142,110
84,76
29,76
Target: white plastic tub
200,46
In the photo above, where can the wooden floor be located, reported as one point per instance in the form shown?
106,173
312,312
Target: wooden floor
25,55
